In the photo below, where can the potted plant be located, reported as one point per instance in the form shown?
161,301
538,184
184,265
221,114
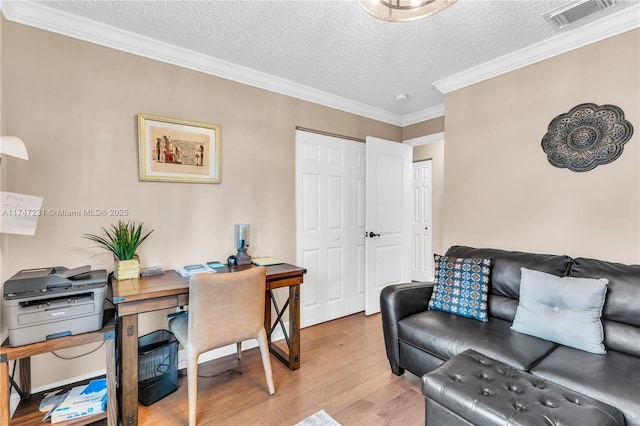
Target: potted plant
122,240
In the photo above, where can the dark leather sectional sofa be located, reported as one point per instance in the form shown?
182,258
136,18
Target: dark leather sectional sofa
418,339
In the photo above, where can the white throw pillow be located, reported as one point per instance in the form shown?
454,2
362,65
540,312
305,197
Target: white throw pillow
564,310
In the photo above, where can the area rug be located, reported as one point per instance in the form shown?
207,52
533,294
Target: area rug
321,418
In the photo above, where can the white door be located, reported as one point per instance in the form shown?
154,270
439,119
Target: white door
388,218
325,199
422,256
358,226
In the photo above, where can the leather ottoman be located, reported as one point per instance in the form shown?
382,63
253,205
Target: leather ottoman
472,389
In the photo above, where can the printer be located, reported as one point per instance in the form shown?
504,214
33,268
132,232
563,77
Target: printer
45,303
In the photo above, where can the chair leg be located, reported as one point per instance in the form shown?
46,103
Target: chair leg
239,345
266,361
192,388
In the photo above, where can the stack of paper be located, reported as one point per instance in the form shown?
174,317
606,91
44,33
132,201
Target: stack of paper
187,271
81,401
266,261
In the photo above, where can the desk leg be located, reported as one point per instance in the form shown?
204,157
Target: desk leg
5,388
25,376
267,315
292,358
294,326
128,330
5,391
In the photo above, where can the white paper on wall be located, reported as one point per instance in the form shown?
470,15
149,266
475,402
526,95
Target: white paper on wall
20,213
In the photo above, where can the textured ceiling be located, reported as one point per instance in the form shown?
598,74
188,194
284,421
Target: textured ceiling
334,46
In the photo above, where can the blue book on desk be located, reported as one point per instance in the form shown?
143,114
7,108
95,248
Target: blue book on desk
215,265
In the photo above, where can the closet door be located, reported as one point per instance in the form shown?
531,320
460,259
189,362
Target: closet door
324,229
358,185
422,254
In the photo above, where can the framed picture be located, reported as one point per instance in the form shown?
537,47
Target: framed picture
173,150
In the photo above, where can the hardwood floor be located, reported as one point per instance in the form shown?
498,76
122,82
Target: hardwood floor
344,372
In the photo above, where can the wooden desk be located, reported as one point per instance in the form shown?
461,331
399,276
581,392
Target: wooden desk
25,352
138,295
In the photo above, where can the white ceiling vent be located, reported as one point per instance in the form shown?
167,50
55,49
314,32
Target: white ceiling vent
576,10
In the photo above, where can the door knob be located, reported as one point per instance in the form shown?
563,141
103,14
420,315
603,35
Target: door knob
373,234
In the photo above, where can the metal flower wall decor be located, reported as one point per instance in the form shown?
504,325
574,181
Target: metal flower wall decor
587,136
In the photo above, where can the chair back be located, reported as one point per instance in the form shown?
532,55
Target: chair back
226,308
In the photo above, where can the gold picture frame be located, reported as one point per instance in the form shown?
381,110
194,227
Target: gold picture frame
172,150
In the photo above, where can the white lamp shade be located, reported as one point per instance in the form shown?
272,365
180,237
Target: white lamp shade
13,145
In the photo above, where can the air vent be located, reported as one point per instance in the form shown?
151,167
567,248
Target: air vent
576,10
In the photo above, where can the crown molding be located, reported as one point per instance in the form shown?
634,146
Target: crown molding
617,23
424,140
56,21
423,115
59,22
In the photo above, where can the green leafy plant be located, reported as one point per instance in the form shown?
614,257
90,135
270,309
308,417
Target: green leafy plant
122,239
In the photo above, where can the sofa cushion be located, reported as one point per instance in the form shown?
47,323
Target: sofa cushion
445,335
622,337
504,288
565,310
624,287
613,378
461,286
620,314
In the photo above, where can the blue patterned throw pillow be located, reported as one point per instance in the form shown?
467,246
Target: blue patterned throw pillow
461,286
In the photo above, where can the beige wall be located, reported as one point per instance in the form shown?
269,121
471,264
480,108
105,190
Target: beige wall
500,190
75,105
428,127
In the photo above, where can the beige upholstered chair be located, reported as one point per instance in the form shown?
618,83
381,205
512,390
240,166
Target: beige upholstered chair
224,308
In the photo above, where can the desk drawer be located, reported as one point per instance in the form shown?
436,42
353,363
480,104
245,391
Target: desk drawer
284,282
139,306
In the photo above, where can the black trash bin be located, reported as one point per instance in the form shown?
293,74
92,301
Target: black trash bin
157,366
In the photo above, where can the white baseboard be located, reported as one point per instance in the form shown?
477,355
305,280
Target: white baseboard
230,349
182,363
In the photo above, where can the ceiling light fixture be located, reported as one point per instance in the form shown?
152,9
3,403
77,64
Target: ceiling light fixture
404,10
